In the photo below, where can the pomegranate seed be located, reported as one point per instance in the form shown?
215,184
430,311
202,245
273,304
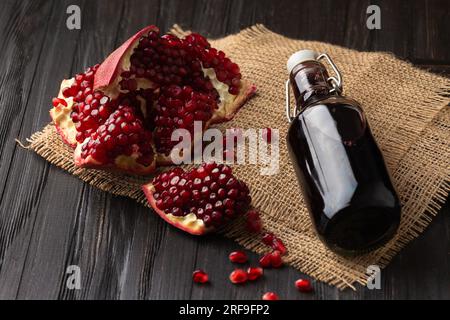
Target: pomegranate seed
58,101
200,276
303,285
271,260
253,222
270,296
267,238
254,273
238,276
238,257
279,246
266,260
275,243
275,259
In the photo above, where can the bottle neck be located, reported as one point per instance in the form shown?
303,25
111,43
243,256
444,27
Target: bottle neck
309,83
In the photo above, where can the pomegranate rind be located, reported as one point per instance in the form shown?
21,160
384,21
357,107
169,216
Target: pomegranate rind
111,67
121,164
60,116
188,223
228,110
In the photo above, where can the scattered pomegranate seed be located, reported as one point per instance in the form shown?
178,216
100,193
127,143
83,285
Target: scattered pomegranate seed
265,260
238,257
238,276
254,273
274,242
254,223
303,285
200,276
271,260
275,259
270,296
267,238
279,245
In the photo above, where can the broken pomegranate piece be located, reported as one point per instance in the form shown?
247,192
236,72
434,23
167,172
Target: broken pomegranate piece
120,114
199,200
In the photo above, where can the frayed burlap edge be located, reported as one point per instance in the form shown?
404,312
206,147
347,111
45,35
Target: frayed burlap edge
304,253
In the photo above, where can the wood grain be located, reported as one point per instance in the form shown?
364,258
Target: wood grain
50,220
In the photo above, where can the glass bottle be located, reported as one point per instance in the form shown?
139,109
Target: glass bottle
341,170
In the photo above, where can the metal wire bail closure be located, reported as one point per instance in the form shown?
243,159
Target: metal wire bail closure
336,83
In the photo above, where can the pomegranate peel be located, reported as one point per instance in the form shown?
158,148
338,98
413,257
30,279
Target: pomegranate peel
60,115
110,68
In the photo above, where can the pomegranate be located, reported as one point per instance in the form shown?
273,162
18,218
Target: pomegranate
270,296
200,200
303,285
238,257
120,114
200,276
254,273
238,276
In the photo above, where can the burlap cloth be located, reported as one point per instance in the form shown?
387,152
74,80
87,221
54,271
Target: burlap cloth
408,112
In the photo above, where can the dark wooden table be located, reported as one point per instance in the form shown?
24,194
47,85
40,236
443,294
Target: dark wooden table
50,220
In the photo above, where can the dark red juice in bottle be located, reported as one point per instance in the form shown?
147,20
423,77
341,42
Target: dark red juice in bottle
341,170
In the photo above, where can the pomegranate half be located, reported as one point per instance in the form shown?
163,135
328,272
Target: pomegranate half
120,114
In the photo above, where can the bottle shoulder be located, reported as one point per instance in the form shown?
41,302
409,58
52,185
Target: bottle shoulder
334,101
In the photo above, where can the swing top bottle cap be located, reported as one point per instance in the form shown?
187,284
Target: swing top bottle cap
299,57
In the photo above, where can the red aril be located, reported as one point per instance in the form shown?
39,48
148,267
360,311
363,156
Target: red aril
266,260
275,259
238,257
271,260
274,242
303,285
238,276
254,273
200,276
253,221
270,296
